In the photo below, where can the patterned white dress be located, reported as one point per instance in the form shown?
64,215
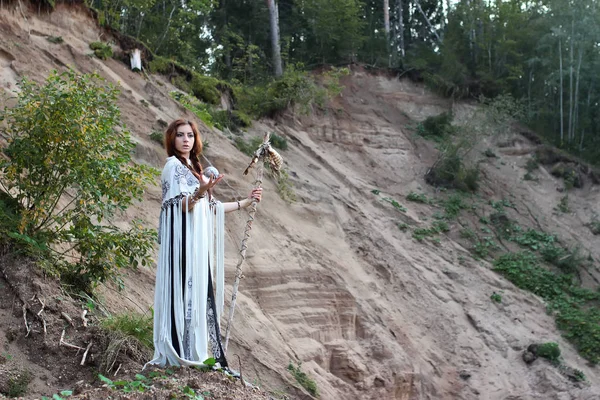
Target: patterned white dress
186,314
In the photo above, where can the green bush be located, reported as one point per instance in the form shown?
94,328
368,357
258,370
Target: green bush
231,119
549,351
248,148
205,88
594,226
160,65
101,50
437,126
158,137
450,172
279,142
65,141
303,379
293,88
417,198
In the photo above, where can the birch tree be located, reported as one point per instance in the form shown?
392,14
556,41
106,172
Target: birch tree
274,22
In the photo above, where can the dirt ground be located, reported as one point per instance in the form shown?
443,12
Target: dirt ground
331,282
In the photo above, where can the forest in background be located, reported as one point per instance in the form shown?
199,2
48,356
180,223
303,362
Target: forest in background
541,52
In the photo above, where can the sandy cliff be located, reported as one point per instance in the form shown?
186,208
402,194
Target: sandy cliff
331,281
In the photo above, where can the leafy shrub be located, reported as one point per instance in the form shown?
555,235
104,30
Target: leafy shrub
205,88
65,141
449,171
102,50
489,153
293,88
454,204
496,297
394,203
303,379
231,119
279,142
158,137
417,198
160,65
437,126
549,351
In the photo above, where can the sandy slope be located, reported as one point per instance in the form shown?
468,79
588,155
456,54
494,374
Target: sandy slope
330,279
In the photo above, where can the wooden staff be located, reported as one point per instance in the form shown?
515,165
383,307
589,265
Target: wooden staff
264,151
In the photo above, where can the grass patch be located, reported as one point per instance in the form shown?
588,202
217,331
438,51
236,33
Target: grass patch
304,380
436,127
495,297
18,384
248,147
285,189
200,109
594,226
134,325
437,227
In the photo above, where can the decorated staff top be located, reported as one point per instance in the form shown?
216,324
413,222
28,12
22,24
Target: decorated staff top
266,152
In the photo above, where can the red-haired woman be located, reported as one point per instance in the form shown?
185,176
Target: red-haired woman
186,312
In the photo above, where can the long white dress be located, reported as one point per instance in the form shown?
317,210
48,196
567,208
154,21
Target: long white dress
186,316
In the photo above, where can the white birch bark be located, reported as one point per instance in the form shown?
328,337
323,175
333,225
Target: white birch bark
274,20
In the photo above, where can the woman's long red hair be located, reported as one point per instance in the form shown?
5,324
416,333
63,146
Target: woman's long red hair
196,150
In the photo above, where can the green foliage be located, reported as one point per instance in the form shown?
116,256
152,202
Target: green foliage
496,297
139,384
279,142
82,153
571,306
135,325
102,50
60,396
55,39
594,226
489,153
231,119
563,204
403,226
418,198
17,385
295,87
549,351
394,203
376,192
454,204
201,110
248,148
160,65
158,137
437,127
285,189
436,228
483,248
303,379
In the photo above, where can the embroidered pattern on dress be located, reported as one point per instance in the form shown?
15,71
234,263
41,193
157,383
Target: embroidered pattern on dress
184,175
212,330
165,189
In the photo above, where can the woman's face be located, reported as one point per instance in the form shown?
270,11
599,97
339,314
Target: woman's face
184,140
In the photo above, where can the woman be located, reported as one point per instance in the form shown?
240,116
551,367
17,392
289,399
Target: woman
186,315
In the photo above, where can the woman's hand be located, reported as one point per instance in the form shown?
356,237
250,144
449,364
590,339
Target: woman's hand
255,195
207,186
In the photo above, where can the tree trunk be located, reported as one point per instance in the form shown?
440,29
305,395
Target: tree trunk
562,131
570,130
576,107
428,22
589,100
166,29
401,27
386,19
274,19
